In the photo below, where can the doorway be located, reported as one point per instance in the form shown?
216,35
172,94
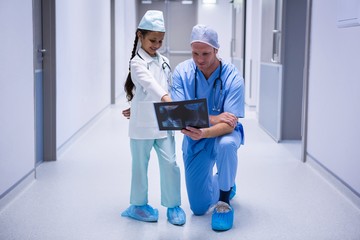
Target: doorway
39,51
44,80
271,68
282,62
176,46
238,35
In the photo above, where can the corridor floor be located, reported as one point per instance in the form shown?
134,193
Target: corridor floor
81,196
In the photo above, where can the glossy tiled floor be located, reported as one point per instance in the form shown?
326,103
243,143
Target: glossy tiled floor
81,196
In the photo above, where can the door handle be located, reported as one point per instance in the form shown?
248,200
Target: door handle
42,50
275,58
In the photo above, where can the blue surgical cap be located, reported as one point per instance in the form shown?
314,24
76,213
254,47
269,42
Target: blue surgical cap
153,20
204,34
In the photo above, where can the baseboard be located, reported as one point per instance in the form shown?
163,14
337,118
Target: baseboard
65,146
335,181
12,193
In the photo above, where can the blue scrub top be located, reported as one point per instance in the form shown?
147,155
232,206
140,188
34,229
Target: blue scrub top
231,100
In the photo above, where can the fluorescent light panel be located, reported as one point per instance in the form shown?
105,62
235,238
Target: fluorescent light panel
187,2
209,1
183,2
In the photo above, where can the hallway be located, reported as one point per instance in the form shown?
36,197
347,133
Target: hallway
81,195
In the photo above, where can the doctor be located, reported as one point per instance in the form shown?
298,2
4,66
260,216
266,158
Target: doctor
207,76
147,83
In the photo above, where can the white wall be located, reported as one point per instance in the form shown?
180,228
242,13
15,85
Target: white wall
121,66
83,63
334,84
125,26
83,74
17,157
218,16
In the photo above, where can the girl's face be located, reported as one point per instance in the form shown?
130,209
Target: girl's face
151,42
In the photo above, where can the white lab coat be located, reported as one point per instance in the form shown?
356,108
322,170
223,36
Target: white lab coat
151,84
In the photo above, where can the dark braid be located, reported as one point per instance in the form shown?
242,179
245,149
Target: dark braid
129,85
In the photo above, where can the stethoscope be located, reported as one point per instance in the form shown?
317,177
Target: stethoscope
216,106
165,65
168,74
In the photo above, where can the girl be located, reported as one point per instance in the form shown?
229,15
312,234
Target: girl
148,82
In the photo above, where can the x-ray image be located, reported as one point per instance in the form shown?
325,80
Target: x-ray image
178,115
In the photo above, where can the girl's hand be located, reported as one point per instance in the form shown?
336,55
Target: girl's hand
166,98
126,113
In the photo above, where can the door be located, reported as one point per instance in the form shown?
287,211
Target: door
180,17
44,80
271,68
252,53
39,51
282,68
238,35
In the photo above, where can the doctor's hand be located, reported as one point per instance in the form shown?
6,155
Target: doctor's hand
224,117
194,133
126,113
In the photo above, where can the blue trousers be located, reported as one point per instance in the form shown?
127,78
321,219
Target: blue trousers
169,171
200,157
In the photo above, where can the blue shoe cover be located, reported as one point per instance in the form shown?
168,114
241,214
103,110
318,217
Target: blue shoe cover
176,216
233,192
223,217
142,213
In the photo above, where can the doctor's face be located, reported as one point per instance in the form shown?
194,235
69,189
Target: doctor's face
204,56
151,41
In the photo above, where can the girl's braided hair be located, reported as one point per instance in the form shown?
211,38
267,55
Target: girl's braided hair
129,85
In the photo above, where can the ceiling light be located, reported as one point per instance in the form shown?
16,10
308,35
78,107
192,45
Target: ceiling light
209,1
187,2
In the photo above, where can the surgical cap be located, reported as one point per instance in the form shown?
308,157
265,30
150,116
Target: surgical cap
204,34
153,20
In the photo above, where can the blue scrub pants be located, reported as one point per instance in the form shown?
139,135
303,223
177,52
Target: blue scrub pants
169,171
202,185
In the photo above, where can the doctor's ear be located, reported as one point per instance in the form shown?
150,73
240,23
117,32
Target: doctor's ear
216,50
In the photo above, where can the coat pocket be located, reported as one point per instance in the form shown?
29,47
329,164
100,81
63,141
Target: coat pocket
146,114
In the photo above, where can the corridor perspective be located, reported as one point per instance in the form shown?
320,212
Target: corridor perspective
81,195
65,163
